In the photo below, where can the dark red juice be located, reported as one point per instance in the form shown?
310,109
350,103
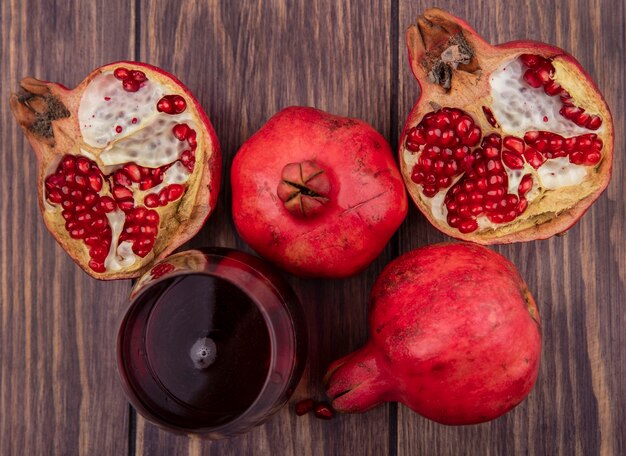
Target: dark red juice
198,351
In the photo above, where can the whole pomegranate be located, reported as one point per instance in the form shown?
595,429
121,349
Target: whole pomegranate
318,194
455,336
129,165
506,143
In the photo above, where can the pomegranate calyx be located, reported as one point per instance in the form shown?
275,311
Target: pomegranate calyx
442,48
36,108
304,188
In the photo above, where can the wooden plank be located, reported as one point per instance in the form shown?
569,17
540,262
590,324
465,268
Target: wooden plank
59,392
578,404
246,62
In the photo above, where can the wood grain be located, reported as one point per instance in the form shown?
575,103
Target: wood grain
58,389
577,406
59,392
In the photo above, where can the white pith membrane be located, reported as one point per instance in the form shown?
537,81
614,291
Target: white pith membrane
120,127
519,108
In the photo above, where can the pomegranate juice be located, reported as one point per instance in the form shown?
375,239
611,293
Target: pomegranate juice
215,349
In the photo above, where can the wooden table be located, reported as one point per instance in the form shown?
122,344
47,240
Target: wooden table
59,392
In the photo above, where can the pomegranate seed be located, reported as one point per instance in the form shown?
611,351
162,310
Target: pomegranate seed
513,144
323,411
534,157
552,88
453,220
139,214
165,105
121,73
525,184
415,138
92,239
121,178
107,204
68,163
570,112
130,85
180,131
55,196
97,266
582,118
77,233
98,252
463,126
83,217
132,171
429,191
138,76
577,157
163,197
95,182
303,407
152,217
179,103
151,200
566,99
491,152
126,205
120,192
555,142
83,165
467,226
175,191
522,205
529,60
472,138
593,123
490,117
191,139
512,161
545,73
98,224
592,158
531,77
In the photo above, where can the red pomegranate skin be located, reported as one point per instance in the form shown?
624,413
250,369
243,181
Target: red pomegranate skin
455,336
365,198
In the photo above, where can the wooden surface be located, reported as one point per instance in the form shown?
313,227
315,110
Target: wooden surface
59,392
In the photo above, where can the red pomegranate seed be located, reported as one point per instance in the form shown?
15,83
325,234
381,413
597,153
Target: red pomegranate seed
525,184
191,138
513,144
132,171
323,411
126,205
179,103
97,266
512,161
594,123
180,131
98,252
552,88
68,163
95,182
592,158
138,76
151,200
83,165
468,226
152,217
121,73
130,85
531,77
162,198
303,407
175,191
534,157
530,60
55,196
490,117
522,205
120,192
165,105
107,204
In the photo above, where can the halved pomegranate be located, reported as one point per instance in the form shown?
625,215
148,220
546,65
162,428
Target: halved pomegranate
129,165
506,143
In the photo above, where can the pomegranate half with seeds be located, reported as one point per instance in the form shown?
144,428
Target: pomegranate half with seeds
506,143
129,165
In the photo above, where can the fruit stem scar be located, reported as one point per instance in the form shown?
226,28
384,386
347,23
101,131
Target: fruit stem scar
304,188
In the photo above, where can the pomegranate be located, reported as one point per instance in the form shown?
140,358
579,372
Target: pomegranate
318,194
129,165
455,336
506,143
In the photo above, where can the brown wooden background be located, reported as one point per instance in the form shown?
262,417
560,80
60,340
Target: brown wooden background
59,392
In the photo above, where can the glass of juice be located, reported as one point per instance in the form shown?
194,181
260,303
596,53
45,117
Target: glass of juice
213,343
